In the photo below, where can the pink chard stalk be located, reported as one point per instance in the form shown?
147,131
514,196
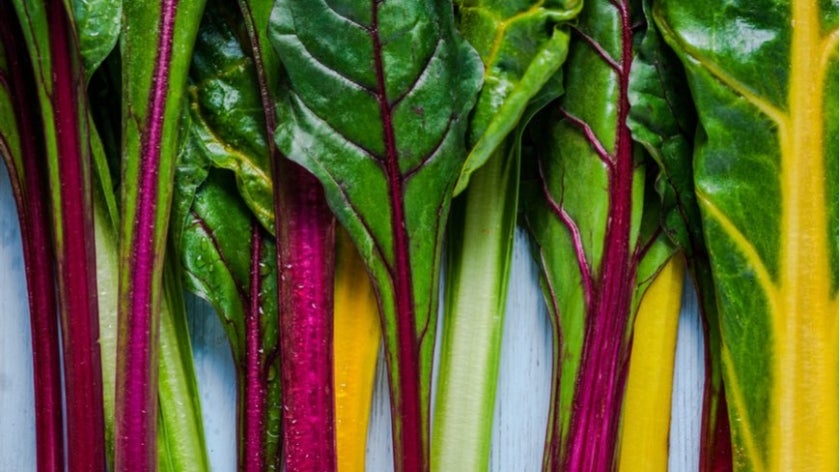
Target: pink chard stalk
305,230
51,39
24,160
156,48
597,235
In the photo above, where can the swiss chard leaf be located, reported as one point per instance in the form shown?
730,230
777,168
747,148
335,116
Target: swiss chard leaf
522,45
98,28
765,173
379,118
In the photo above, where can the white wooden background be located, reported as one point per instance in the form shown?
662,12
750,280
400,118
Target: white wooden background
522,400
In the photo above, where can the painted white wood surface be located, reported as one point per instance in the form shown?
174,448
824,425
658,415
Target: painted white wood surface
522,400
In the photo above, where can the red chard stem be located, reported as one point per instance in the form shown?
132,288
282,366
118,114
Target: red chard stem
32,201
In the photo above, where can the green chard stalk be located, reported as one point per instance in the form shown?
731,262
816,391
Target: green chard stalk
522,45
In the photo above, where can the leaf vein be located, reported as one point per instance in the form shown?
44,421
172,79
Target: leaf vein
747,248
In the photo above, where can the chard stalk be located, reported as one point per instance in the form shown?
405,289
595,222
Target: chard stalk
19,128
154,80
388,147
305,230
356,340
662,118
646,414
516,73
53,47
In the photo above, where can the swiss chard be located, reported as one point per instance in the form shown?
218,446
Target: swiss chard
51,39
379,119
595,225
212,220
522,45
663,120
154,81
766,180
22,153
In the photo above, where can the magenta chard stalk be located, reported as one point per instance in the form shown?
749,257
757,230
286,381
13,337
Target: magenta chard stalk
305,230
24,161
380,121
61,93
597,235
156,47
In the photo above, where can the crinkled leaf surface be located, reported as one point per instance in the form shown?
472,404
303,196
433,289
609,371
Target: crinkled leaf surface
764,79
226,109
379,117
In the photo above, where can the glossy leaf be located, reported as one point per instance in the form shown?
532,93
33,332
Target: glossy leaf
211,220
766,179
522,45
595,223
156,46
378,117
98,28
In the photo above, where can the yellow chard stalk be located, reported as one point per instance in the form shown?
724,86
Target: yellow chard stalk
643,443
357,336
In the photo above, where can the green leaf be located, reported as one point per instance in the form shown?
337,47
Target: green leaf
226,108
379,118
763,76
98,28
522,45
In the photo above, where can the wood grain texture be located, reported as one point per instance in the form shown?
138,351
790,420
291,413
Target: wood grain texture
521,404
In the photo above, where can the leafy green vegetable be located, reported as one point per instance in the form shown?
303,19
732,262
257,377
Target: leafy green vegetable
379,118
595,226
766,179
522,46
154,82
663,120
22,155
